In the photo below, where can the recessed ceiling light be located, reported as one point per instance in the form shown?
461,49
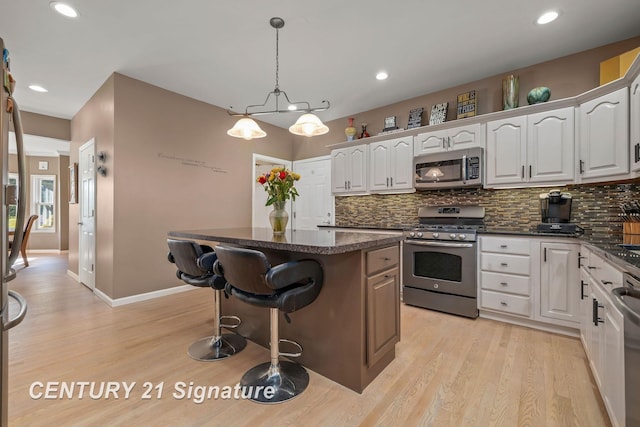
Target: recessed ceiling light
64,9
382,75
547,17
37,88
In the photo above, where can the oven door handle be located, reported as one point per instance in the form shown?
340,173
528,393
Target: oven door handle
440,244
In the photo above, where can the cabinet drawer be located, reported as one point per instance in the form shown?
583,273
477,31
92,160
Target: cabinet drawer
382,259
505,245
520,285
513,264
512,304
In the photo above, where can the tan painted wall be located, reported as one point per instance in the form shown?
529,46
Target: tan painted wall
96,120
41,125
170,166
566,77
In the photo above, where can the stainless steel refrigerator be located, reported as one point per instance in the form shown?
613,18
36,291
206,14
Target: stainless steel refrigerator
10,198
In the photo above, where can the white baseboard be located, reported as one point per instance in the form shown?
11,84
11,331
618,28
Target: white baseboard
557,329
73,275
141,297
45,251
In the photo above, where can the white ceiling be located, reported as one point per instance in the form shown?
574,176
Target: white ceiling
223,53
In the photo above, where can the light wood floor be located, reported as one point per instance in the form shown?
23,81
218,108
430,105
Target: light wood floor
448,371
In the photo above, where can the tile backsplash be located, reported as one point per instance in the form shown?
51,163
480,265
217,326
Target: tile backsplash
595,207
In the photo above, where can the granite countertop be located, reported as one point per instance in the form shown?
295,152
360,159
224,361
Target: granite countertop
321,241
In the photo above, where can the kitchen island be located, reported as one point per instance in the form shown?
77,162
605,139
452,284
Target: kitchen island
349,332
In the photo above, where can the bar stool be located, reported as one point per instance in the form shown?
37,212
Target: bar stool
195,267
287,287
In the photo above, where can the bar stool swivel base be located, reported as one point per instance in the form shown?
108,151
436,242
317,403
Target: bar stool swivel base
214,348
268,383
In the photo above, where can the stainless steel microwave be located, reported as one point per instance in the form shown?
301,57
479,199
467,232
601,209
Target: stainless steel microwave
449,169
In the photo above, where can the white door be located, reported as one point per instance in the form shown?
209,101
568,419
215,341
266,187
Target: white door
379,166
634,123
261,165
466,137
401,173
339,172
315,205
87,214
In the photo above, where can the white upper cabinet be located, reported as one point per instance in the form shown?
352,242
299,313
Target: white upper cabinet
391,165
634,124
506,151
604,135
550,146
349,170
450,139
538,148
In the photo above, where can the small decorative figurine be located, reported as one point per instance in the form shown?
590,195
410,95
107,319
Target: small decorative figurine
364,133
350,131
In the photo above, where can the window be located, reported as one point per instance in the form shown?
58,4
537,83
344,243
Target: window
43,202
13,209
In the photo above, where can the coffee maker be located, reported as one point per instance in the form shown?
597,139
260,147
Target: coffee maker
555,210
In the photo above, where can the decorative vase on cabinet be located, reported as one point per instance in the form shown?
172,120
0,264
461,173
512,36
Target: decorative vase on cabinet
279,218
510,92
350,131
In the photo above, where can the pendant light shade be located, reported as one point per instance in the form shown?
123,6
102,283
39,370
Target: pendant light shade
309,125
246,128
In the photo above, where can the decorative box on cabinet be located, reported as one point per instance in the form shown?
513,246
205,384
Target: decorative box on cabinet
604,136
390,166
349,170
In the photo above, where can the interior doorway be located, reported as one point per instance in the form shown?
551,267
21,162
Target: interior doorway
261,165
315,206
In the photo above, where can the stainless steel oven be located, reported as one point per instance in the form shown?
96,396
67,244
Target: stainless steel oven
440,260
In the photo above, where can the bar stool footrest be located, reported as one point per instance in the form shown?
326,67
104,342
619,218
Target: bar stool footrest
294,343
230,326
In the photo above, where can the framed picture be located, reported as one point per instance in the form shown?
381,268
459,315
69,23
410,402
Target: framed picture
73,183
390,123
438,113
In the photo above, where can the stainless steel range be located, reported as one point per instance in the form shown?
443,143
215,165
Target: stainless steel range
440,259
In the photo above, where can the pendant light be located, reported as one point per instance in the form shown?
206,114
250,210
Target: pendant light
307,125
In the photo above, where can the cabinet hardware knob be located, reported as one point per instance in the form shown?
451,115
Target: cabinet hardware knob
503,246
606,282
504,264
504,283
503,303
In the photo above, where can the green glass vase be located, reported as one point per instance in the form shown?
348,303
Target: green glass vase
279,218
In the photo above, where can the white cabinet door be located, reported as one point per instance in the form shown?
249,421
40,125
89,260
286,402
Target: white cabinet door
339,173
506,150
559,284
466,137
379,167
349,170
585,310
430,142
391,165
614,376
604,135
550,146
634,123
596,334
401,163
457,138
358,166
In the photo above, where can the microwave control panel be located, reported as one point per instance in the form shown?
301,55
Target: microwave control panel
473,168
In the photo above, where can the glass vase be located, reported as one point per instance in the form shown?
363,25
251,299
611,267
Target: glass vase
350,131
279,218
510,92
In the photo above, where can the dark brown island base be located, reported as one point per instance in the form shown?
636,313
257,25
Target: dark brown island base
349,332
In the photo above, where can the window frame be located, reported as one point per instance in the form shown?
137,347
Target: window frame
36,185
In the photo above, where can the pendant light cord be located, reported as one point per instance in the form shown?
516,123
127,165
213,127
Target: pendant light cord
277,59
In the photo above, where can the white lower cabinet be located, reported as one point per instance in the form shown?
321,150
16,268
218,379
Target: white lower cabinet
602,330
505,276
559,285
